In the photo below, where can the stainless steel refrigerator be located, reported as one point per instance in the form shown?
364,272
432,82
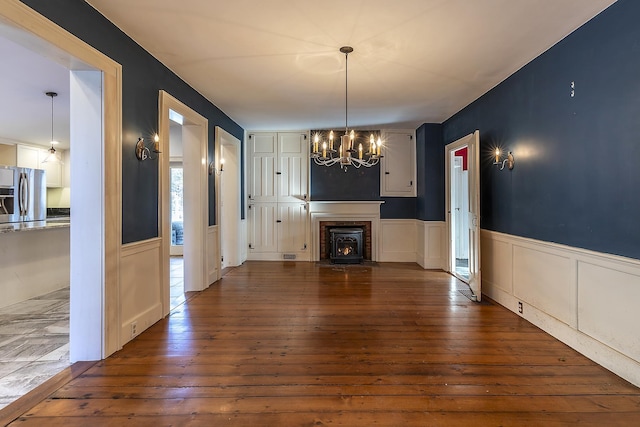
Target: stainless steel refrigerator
23,194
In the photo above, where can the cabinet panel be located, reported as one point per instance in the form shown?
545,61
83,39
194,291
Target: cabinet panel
398,165
53,170
27,157
263,230
262,158
33,157
292,230
293,159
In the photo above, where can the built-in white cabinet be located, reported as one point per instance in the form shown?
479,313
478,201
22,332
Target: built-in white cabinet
277,192
398,166
28,156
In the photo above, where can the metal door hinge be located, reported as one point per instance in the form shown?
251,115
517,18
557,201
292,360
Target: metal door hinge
278,221
278,173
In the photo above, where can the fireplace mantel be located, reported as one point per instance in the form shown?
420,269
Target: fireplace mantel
344,211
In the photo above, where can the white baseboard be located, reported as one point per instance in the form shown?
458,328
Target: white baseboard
583,298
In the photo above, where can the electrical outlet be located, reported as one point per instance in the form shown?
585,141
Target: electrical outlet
520,307
134,329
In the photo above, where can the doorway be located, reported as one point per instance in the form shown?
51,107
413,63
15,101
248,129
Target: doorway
229,188
463,211
186,163
176,211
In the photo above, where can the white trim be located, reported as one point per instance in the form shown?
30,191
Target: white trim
195,128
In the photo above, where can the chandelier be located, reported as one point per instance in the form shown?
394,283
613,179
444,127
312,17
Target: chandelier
325,153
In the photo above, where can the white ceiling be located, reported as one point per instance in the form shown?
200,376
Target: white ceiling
276,64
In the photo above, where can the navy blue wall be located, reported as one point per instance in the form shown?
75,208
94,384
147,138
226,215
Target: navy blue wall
143,77
430,173
576,176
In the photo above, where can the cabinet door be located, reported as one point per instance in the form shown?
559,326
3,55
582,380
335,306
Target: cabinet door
398,166
292,167
262,159
263,228
27,157
54,170
292,228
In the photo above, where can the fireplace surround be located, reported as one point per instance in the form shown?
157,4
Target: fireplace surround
344,213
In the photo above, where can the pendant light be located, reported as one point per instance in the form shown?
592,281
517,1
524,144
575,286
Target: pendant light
324,154
52,157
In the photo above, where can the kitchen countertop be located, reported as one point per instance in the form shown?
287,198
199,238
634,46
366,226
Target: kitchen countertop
57,222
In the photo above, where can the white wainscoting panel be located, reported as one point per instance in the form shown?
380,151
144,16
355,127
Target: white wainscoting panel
586,299
545,279
608,300
213,245
430,241
397,240
140,287
497,258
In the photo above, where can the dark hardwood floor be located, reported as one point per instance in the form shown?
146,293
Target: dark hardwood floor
306,344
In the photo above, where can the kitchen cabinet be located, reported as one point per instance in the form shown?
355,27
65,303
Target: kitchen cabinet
277,191
28,156
398,164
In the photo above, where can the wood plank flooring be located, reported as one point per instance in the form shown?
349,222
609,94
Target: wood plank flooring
307,344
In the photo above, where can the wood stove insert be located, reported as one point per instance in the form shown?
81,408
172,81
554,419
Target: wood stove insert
346,245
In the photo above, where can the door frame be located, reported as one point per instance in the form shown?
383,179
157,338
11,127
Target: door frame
95,302
232,226
472,141
196,128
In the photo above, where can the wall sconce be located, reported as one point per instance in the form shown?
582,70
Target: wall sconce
144,153
213,169
509,161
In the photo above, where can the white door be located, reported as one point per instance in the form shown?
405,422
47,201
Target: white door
398,165
291,175
458,214
292,228
229,208
262,158
263,227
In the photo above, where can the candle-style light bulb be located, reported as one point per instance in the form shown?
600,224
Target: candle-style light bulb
497,155
316,139
379,145
360,151
331,140
324,149
156,143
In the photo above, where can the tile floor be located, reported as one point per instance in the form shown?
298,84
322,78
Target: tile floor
34,337
34,343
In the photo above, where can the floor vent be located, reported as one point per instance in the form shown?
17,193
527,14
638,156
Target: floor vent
289,256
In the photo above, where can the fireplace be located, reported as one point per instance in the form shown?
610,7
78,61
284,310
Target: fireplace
346,245
325,237
325,215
